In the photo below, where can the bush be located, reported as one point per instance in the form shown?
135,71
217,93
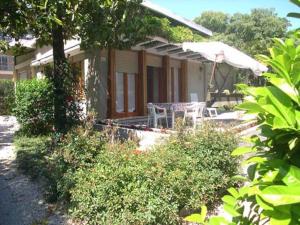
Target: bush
157,187
34,106
7,97
113,183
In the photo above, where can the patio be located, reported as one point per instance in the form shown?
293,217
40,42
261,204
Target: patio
147,136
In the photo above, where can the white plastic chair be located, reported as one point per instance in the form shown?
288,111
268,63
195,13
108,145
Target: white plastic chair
194,112
157,113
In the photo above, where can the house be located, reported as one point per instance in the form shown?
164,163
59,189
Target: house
6,67
120,83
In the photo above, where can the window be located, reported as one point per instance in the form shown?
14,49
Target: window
126,93
175,84
6,63
120,92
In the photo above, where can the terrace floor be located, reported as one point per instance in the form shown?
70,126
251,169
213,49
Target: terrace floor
234,118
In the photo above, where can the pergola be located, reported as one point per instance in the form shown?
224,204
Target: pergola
160,46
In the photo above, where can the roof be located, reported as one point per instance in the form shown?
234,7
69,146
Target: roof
180,19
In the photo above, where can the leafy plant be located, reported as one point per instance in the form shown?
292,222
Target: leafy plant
34,106
157,187
7,97
271,193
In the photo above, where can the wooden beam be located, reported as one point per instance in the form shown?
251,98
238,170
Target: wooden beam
183,81
111,84
142,84
166,78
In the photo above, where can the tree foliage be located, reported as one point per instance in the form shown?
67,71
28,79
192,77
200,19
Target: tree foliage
251,33
98,23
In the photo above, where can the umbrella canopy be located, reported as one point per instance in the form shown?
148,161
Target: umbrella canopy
220,52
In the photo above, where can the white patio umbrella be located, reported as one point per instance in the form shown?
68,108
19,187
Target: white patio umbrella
220,52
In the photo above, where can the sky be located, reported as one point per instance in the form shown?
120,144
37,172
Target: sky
193,8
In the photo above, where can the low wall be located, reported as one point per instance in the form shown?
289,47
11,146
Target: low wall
146,139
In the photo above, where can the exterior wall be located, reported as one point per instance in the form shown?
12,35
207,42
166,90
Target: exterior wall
24,73
6,75
154,60
175,63
23,58
196,80
127,62
96,74
95,68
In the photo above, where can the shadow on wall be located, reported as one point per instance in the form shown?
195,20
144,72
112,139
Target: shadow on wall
97,82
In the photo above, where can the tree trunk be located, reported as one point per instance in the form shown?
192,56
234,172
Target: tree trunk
60,70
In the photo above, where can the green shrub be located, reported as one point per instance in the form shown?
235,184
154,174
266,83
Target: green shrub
130,187
54,159
7,97
113,183
34,106
271,191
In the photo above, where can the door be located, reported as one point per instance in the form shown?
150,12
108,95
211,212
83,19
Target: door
156,85
126,98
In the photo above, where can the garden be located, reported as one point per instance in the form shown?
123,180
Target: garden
98,179
101,180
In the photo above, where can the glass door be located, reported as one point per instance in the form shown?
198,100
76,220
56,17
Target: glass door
126,98
155,85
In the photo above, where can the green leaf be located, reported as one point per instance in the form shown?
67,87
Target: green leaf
231,210
281,195
194,218
251,107
58,21
291,175
255,159
296,2
286,88
263,204
229,200
280,215
295,15
198,218
218,220
242,150
233,192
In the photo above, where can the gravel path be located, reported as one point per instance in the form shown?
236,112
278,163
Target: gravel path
21,200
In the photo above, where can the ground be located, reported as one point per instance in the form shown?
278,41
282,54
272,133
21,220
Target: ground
21,200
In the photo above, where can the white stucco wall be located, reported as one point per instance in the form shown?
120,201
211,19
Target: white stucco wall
175,63
196,80
127,61
153,60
